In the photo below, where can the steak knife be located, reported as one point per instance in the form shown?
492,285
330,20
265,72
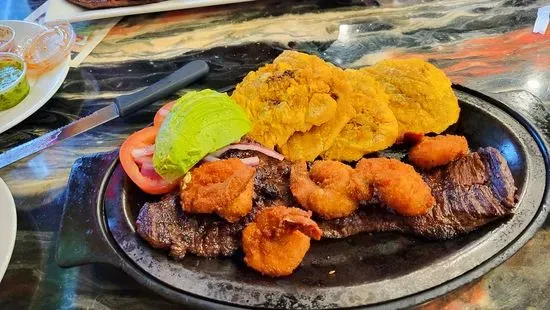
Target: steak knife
122,107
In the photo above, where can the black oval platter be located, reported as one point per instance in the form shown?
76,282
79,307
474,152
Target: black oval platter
383,270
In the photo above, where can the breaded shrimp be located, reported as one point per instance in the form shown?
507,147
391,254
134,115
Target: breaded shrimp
278,239
331,189
397,185
438,151
224,187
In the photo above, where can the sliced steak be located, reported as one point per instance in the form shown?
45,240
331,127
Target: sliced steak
272,179
164,225
469,193
100,4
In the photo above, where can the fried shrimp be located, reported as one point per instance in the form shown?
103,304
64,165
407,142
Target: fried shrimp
294,93
420,94
331,189
397,185
224,187
438,151
278,239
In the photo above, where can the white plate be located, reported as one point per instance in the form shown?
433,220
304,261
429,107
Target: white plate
8,223
42,88
64,10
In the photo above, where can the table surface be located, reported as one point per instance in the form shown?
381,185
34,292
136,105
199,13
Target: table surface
486,45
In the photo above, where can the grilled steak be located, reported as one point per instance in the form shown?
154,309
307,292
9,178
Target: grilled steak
164,225
101,4
469,193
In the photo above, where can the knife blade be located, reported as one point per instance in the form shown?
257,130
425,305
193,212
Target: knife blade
122,107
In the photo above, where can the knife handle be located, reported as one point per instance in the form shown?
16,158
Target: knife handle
191,72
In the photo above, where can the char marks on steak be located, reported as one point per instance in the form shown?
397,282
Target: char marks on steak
469,193
164,225
101,4
272,179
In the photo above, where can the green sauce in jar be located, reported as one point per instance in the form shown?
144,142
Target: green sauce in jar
14,86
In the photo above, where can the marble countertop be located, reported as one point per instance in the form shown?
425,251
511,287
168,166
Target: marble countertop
486,45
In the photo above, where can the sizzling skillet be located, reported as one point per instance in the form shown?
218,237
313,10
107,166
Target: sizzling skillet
379,270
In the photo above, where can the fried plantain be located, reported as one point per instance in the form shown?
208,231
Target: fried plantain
294,93
310,144
374,126
421,96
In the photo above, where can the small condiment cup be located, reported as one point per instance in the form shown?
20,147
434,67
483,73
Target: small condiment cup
14,92
7,37
49,48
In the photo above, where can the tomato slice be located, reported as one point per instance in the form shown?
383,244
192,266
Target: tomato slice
162,113
144,177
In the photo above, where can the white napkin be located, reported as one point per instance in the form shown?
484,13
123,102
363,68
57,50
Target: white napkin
543,18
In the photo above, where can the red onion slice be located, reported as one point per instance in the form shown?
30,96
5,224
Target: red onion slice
147,170
251,161
163,111
147,160
249,147
143,151
210,158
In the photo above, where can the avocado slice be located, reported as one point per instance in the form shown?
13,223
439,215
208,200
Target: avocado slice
198,124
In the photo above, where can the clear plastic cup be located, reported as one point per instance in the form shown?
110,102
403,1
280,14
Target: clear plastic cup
7,36
47,49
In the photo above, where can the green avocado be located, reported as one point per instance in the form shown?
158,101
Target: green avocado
198,124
